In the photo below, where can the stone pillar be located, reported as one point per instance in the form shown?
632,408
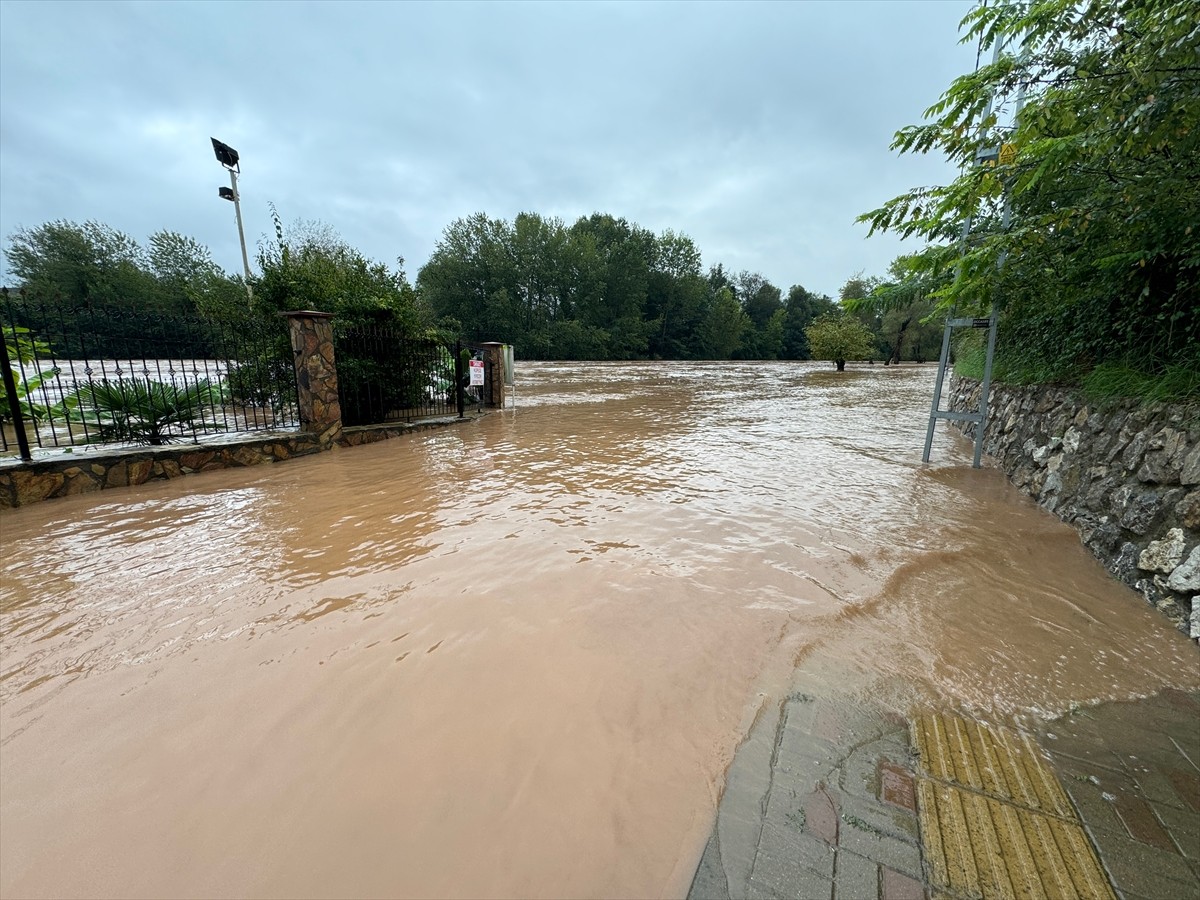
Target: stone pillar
493,386
316,374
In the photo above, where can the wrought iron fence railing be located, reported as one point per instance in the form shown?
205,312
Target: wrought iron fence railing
85,374
386,376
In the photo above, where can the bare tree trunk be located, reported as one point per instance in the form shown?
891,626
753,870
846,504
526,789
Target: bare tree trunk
900,340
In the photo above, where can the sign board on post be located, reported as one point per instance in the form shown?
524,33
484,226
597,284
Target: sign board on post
476,372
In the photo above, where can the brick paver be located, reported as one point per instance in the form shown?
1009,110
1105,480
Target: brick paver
1133,772
822,803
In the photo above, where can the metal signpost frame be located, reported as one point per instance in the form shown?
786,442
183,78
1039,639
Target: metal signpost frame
989,155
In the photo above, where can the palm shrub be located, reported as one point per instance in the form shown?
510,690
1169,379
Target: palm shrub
143,411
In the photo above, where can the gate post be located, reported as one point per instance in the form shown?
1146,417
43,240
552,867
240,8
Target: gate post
459,390
311,335
493,388
10,390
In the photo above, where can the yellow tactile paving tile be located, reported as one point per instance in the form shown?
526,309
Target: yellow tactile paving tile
996,761
995,822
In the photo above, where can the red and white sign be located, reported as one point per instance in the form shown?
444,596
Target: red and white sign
476,372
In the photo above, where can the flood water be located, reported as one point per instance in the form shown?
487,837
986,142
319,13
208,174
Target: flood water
515,657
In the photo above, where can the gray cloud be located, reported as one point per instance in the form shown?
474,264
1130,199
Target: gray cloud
761,130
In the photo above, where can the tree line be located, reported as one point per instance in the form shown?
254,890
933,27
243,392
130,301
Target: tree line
602,288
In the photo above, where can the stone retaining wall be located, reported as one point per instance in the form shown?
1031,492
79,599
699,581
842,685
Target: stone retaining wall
83,470
1125,475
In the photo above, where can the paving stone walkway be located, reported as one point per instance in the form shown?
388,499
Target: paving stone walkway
822,801
1133,773
819,802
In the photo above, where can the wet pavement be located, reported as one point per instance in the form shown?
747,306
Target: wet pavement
829,799
1132,771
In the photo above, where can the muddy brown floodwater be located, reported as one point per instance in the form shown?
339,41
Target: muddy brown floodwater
515,657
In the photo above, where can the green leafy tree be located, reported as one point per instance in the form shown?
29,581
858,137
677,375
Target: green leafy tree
66,268
901,308
761,300
313,268
186,277
81,263
853,297
375,311
838,337
801,308
1100,265
724,326
676,300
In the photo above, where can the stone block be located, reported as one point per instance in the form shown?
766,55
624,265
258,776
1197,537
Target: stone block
1190,470
820,816
1125,564
30,487
1163,555
894,886
1102,540
1164,457
709,882
1188,511
1185,579
248,456
856,878
896,786
80,483
117,475
1141,824
1184,828
196,460
887,851
877,818
1131,457
1142,511
139,470
1144,870
784,858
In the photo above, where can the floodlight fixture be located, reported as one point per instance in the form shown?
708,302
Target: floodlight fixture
226,155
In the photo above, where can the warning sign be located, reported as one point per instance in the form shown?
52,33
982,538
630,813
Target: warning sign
476,372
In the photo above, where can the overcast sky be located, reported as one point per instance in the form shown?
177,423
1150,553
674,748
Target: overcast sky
759,129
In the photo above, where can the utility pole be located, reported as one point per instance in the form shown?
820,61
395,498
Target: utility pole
228,157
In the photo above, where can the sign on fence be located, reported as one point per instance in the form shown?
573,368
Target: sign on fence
476,372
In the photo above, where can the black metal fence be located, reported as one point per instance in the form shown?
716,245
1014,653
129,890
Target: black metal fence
385,376
78,375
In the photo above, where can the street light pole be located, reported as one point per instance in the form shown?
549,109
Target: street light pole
228,157
237,208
